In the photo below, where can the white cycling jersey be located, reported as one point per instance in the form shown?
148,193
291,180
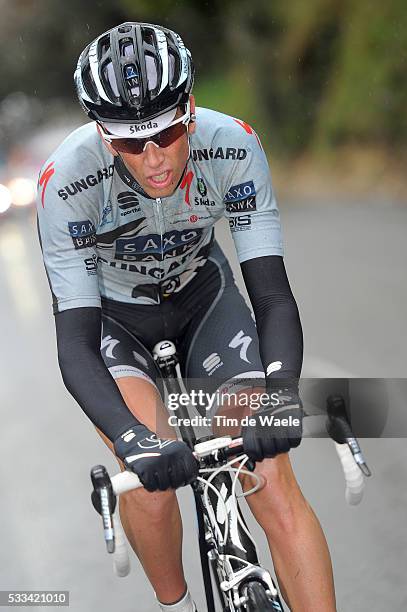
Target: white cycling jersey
102,235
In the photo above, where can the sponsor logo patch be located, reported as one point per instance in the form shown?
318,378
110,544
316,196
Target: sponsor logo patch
84,183
91,265
136,129
193,218
144,264
241,223
202,187
128,203
44,180
247,205
108,344
186,184
153,247
241,198
219,153
241,342
83,233
212,363
203,201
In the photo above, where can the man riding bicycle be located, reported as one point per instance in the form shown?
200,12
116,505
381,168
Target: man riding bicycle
126,209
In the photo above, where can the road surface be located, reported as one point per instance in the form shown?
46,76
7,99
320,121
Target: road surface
346,265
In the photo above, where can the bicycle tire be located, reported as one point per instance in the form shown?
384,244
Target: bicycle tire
258,600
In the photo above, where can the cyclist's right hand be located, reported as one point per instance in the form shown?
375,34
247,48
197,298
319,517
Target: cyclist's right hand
160,464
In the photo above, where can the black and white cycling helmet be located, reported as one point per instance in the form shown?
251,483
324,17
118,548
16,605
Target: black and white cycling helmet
134,72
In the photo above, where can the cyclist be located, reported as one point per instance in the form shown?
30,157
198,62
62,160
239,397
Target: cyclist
126,209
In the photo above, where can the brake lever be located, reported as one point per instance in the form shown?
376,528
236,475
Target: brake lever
104,501
339,429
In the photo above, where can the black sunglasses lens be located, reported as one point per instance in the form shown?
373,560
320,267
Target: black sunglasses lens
171,134
135,146
128,145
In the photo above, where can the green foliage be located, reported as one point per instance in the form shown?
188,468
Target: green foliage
224,93
313,74
366,101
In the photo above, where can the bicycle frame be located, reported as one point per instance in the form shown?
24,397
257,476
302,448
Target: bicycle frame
232,555
233,559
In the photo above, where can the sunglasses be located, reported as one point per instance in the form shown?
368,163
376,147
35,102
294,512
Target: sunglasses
163,139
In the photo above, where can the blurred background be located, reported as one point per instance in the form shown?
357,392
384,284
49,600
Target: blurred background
324,84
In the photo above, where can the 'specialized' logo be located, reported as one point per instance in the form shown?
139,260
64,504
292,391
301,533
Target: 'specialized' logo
44,179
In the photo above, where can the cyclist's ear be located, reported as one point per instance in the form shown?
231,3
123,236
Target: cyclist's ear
192,125
107,145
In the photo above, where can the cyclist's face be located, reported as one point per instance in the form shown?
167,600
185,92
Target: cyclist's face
158,170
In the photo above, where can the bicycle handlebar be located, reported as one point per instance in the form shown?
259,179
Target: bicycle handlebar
127,481
218,449
348,453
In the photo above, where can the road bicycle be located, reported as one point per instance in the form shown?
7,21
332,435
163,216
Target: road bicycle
228,552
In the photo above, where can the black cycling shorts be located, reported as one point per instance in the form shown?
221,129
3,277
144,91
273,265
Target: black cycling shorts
209,322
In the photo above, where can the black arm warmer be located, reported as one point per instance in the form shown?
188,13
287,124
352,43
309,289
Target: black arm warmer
85,374
277,318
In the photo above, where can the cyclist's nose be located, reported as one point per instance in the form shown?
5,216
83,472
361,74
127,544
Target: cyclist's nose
153,155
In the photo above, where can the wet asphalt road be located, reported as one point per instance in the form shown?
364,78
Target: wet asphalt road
347,269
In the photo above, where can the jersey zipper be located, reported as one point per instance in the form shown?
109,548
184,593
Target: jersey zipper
159,215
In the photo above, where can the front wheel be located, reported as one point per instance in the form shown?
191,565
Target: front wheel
258,600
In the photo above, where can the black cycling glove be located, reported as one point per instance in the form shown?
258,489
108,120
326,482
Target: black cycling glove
277,428
160,464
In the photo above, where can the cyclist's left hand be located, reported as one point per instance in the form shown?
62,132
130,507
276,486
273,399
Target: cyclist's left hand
277,429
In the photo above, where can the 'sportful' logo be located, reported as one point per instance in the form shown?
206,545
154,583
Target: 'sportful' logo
128,202
202,187
212,363
44,179
274,366
127,199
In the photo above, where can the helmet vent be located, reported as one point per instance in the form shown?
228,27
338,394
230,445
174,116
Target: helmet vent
127,48
104,48
124,29
148,37
173,68
88,82
152,77
110,79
